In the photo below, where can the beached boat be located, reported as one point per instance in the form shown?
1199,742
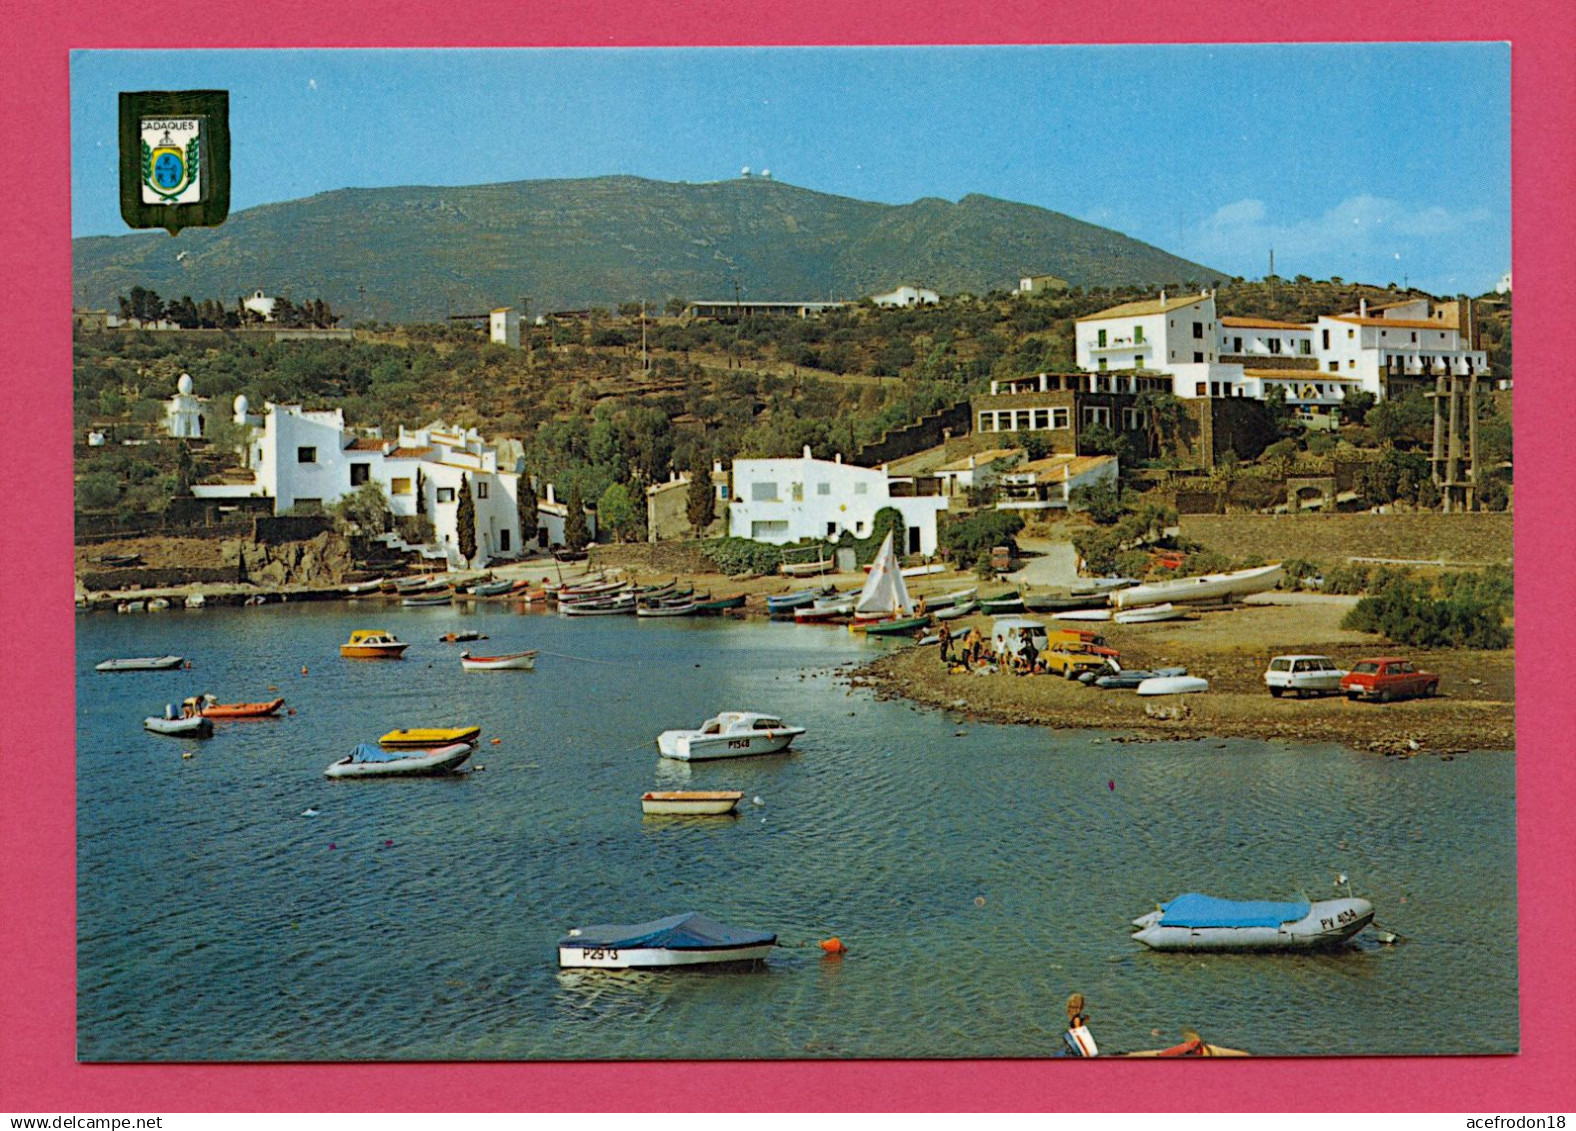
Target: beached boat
1057,601
807,569
1173,685
368,761
373,644
423,600
158,604
1002,603
1146,613
1207,587
414,584
491,588
1192,1046
213,709
1083,615
427,738
690,939
898,626
1201,922
827,609
721,604
949,600
621,605
681,608
957,611
509,661
193,727
132,607
119,561
784,605
1101,584
691,802
196,601
140,664
731,734
1128,679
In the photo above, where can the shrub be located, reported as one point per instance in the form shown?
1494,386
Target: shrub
1406,612
742,555
966,538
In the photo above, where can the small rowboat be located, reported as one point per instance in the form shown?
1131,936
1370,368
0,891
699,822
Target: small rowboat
664,609
720,604
140,664
1193,1046
690,939
509,661
373,644
960,610
950,600
1145,613
898,627
620,605
1083,614
1005,603
691,803
491,588
1173,685
460,637
423,599
426,738
827,608
784,604
240,710
367,761
195,727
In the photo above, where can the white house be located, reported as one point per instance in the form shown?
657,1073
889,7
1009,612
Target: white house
260,304
785,500
504,327
907,296
185,414
303,458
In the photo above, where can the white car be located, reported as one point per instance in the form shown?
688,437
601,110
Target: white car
1303,675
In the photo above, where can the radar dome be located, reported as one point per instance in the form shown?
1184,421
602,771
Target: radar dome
184,385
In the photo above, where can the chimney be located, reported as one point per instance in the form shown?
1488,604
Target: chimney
1162,298
550,493
838,457
1362,308
807,451
716,465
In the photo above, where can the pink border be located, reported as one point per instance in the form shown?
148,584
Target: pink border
37,844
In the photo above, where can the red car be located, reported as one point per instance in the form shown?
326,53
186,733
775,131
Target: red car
1388,677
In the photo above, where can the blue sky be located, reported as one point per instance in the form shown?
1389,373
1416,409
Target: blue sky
1381,163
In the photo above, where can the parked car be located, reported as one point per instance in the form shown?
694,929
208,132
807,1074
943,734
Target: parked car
1303,675
1072,664
1388,677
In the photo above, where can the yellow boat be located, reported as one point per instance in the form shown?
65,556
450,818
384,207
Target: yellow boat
373,644
424,738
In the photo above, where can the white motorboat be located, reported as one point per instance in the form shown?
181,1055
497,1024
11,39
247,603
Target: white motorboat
507,662
732,734
691,802
370,761
1202,922
195,726
140,664
690,939
1206,587
1146,613
1173,685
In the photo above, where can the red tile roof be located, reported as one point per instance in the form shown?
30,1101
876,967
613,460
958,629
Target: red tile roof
1264,324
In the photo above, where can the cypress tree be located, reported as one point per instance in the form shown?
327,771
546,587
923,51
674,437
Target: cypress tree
700,501
525,510
465,520
576,533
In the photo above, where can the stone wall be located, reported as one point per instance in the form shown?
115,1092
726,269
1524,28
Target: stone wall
926,432
323,560
1458,539
110,579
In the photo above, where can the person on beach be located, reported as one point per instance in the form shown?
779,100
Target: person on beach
1029,652
946,644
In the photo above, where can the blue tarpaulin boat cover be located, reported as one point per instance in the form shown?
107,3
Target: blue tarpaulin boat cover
689,931
367,752
1195,910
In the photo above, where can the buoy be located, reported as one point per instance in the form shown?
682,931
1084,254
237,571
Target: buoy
303,669
186,753
188,665
1111,784
979,901
289,710
756,800
272,687
833,945
496,741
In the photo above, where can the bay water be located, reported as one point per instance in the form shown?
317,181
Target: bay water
237,906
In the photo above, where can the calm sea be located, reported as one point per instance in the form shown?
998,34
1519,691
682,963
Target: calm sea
978,874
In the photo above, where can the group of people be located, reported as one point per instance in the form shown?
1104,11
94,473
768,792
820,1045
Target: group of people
972,649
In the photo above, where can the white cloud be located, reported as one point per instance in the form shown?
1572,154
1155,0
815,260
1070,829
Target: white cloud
1358,231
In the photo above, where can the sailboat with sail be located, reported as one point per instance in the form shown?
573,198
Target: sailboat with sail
884,607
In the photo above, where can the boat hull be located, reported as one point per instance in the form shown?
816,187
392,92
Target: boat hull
1209,587
197,727
957,611
715,803
1173,685
692,746
421,763
518,662
242,710
373,651
721,605
1147,613
889,627
608,958
140,664
427,738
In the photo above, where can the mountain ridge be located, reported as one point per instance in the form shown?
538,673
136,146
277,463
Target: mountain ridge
421,252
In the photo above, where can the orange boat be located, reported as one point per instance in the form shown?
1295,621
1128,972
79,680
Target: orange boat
373,644
213,710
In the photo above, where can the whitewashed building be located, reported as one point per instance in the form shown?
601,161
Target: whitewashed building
260,304
504,327
309,459
1047,484
907,296
786,500
185,414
